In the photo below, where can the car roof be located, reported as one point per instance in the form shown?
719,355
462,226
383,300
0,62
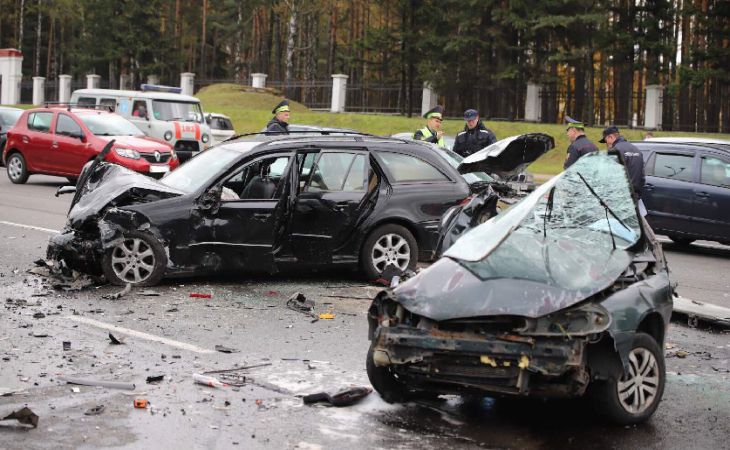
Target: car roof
689,140
723,146
10,108
139,94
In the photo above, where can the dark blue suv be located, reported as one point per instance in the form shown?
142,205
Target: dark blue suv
687,191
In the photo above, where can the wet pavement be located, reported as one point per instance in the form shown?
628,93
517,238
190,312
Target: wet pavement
175,335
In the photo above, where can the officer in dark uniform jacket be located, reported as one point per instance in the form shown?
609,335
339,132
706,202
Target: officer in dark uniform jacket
475,135
279,123
633,160
579,143
432,131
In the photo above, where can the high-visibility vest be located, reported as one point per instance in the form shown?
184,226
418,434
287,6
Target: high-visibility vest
427,134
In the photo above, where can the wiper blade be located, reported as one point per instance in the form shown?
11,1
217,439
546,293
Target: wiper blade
608,210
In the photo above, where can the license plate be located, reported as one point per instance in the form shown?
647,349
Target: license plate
159,169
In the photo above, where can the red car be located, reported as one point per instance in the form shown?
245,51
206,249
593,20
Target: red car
60,140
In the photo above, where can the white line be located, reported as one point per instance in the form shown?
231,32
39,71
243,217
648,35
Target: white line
139,334
29,227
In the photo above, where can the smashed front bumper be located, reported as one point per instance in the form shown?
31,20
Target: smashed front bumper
76,251
455,363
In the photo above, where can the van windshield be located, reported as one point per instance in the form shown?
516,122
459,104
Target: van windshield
168,110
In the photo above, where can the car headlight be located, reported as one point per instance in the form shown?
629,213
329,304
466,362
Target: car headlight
205,138
127,153
168,135
590,318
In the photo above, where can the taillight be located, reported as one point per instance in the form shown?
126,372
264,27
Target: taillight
466,201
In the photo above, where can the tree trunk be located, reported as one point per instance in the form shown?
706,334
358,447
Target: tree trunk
203,39
37,65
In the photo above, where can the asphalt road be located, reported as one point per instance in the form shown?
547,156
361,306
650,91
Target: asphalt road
174,335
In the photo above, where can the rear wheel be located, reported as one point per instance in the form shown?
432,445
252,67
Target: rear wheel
389,244
636,395
139,259
17,169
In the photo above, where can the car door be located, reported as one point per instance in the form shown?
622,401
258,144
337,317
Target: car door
69,149
37,141
242,232
712,197
669,194
333,185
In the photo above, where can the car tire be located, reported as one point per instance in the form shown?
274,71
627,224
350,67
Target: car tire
681,241
138,259
485,215
17,168
635,396
390,388
388,244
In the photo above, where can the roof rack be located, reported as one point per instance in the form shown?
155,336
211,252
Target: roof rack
334,133
70,105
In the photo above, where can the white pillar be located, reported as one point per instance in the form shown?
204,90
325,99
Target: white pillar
429,99
339,92
64,88
533,107
39,90
11,64
258,80
653,111
153,79
125,81
187,83
93,81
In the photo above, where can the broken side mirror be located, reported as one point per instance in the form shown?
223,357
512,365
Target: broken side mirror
65,190
210,201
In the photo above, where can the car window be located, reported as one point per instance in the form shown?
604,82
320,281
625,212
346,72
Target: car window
357,175
110,102
9,117
331,172
405,168
84,102
139,108
259,180
67,126
40,121
673,166
715,172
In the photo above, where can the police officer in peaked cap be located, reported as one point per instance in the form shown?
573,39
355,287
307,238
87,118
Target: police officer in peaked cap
580,145
632,157
432,131
280,122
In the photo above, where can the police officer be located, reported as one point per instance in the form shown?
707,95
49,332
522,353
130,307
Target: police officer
279,123
580,145
432,131
475,135
633,160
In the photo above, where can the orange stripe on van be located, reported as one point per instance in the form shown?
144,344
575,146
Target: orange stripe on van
197,132
178,132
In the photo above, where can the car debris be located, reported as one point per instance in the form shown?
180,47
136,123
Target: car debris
140,403
224,349
566,289
207,380
199,295
98,383
149,293
66,346
326,316
95,411
24,416
127,289
345,397
300,303
152,379
115,341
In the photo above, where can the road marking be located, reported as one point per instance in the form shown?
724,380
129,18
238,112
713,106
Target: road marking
29,227
139,334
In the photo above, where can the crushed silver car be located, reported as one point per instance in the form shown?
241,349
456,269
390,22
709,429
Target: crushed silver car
565,294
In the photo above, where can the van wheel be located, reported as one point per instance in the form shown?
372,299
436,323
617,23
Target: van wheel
139,259
17,169
388,244
636,395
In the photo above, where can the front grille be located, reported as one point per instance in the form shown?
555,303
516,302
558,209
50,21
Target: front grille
150,157
187,146
481,325
466,370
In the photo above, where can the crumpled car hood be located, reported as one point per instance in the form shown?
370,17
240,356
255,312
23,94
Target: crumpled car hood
108,184
508,157
557,247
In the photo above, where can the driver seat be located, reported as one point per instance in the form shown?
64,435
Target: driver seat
260,186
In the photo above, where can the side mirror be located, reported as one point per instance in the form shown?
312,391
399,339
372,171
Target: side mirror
210,201
80,136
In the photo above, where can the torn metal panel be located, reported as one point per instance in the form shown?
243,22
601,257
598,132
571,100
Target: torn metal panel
510,156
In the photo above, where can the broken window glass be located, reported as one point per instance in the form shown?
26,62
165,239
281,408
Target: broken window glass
571,233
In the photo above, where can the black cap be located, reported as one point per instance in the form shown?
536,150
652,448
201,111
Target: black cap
471,114
281,107
436,111
613,129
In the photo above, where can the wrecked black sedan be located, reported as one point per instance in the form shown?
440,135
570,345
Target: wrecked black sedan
263,203
567,293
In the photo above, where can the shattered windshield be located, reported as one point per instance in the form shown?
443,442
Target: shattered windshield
206,166
570,233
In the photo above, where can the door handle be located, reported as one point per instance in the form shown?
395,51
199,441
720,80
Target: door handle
54,144
702,194
25,139
648,187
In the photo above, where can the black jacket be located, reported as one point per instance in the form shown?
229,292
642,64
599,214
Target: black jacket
580,147
634,162
471,141
277,126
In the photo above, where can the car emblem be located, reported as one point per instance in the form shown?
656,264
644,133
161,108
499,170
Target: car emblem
157,156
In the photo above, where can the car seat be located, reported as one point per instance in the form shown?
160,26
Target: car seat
260,187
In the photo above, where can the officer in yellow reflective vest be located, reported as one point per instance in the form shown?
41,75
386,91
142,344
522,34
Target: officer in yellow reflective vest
432,131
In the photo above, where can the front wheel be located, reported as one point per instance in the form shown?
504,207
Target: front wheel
139,259
391,389
389,244
17,169
636,395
